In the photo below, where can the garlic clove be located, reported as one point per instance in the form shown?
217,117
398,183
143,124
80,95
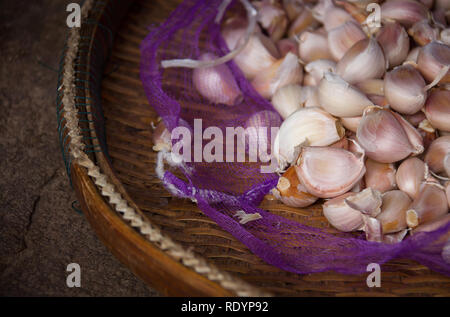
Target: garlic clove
414,137
217,84
413,55
318,68
432,58
447,165
359,186
436,153
311,126
445,36
411,173
442,4
287,46
416,118
396,237
447,190
368,202
303,21
371,87
430,204
162,138
288,99
437,109
372,228
380,176
335,17
291,193
406,12
351,123
357,12
283,72
313,46
341,216
393,211
293,8
423,33
310,98
340,98
432,225
272,18
341,144
395,43
329,172
343,37
365,55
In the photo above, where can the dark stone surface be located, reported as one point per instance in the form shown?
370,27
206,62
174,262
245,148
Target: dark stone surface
40,233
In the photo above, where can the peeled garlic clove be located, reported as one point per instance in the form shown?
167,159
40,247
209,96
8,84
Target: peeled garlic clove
343,37
431,60
291,192
329,172
284,72
367,202
339,98
162,138
382,136
313,46
436,153
396,237
365,55
341,216
287,46
288,99
437,109
272,18
430,204
303,21
406,12
372,228
311,126
217,84
423,33
395,43
380,176
404,89
393,211
411,173
318,68
432,225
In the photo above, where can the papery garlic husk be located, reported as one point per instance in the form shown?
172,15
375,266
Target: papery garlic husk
371,87
303,21
427,136
416,118
372,228
287,46
411,173
404,89
359,186
430,204
318,68
406,12
293,8
329,172
288,99
341,144
431,60
436,153
437,109
384,138
217,84
343,37
357,12
438,16
364,60
162,138
368,202
291,193
395,43
341,216
340,98
393,211
414,137
396,237
445,36
259,53
380,176
351,123
313,46
413,55
423,33
432,225
284,72
272,18
307,126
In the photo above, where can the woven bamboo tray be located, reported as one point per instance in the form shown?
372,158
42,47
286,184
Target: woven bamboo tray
105,134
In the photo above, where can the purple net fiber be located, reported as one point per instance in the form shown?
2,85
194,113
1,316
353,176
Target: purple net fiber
221,189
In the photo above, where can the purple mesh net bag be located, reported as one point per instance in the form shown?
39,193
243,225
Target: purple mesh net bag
221,189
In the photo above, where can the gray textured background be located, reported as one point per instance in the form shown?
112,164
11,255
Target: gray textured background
40,233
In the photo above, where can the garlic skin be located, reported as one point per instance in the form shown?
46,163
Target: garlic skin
272,18
404,89
343,37
413,55
341,216
371,87
380,176
432,225
288,99
395,43
283,72
303,21
416,118
365,55
351,123
423,33
335,17
414,137
217,84
436,153
393,211
339,98
431,60
287,46
313,46
445,36
396,237
447,192
430,204
406,12
318,68
384,138
291,193
368,202
437,109
328,172
411,173
372,228
307,126
292,8
162,138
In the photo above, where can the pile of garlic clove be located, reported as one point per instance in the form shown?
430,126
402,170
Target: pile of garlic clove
366,107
